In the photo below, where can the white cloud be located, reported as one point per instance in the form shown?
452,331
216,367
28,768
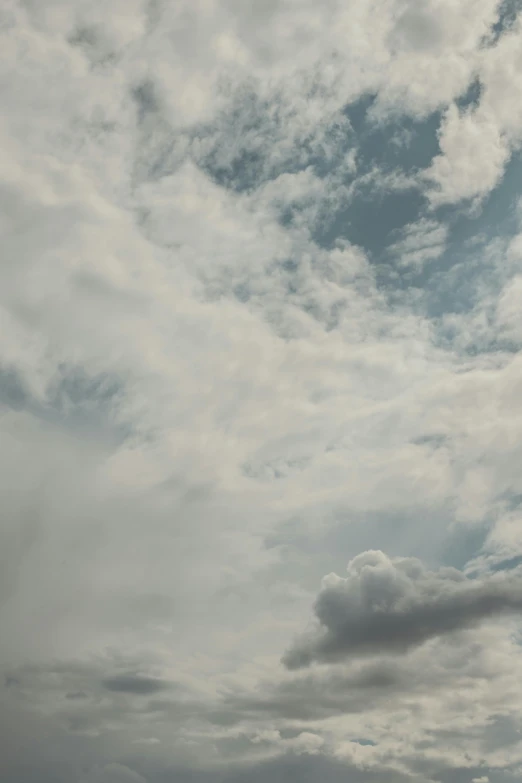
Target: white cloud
204,407
477,143
421,243
473,156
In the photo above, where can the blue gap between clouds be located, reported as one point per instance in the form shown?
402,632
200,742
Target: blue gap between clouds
376,215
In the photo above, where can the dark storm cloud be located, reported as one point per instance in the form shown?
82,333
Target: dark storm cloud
390,606
134,683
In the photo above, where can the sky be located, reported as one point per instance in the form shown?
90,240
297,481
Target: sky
261,391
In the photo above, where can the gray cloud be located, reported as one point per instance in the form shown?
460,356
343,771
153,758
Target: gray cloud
113,773
310,698
386,605
134,683
308,769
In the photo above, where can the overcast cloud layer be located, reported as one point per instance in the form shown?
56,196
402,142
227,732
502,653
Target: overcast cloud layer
261,318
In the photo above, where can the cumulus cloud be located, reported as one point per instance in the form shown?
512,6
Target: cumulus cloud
477,142
386,605
466,138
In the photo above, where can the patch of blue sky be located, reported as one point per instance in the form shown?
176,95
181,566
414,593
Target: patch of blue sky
371,218
508,564
507,14
401,145
400,148
463,543
376,216
13,393
387,197
249,145
238,148
75,401
512,501
395,142
497,216
437,541
398,533
470,98
428,532
450,284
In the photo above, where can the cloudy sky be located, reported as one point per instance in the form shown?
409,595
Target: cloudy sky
261,391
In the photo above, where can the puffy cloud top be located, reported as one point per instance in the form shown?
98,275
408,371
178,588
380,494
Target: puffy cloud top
390,605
